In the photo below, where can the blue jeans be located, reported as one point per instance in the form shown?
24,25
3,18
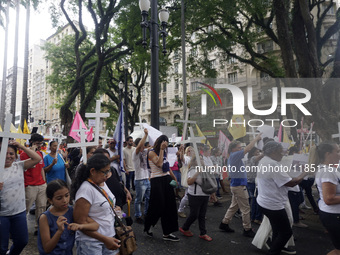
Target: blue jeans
93,248
143,188
177,174
130,178
255,214
16,225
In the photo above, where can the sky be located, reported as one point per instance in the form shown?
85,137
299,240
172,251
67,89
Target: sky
40,28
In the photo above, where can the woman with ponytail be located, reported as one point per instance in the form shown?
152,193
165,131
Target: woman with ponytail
325,158
94,199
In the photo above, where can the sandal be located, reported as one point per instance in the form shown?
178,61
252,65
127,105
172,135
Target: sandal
206,237
187,233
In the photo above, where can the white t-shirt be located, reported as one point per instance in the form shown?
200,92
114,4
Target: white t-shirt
332,175
287,162
272,193
128,158
141,168
100,210
12,195
191,188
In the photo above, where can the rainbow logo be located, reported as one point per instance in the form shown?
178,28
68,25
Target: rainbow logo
209,93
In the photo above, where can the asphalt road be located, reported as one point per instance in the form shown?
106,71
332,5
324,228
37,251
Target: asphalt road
310,241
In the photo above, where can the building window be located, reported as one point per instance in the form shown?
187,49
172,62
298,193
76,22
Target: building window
193,52
213,64
143,91
176,100
176,68
164,101
176,83
232,77
164,87
143,106
176,54
194,86
231,60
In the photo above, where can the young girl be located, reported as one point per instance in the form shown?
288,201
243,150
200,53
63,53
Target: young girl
56,231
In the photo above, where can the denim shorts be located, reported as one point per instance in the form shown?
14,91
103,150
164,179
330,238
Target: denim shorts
93,248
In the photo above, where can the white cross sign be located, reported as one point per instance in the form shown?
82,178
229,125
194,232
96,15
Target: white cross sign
186,121
97,115
337,135
6,134
83,144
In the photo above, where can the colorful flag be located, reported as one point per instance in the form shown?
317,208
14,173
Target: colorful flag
279,135
77,124
200,134
89,136
12,129
26,129
119,137
237,127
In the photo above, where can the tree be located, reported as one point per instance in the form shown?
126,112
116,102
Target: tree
24,104
296,26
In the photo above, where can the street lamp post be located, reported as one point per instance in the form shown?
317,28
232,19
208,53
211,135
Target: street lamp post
126,127
153,25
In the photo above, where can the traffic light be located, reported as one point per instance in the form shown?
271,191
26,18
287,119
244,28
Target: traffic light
39,123
44,122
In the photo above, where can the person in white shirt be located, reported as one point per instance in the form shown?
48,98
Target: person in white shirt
273,185
128,165
326,156
142,175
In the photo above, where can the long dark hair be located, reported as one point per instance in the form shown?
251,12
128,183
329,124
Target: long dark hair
97,161
317,153
159,140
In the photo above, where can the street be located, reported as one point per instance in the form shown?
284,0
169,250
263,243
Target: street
310,241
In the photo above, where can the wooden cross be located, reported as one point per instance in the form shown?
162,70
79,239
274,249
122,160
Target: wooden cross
97,115
186,121
194,140
6,134
83,144
253,132
337,135
105,138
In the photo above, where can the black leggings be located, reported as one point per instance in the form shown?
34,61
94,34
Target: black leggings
281,229
331,222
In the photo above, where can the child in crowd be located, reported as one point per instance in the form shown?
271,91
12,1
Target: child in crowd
56,228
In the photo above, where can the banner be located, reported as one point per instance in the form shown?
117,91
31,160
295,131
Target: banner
119,137
26,129
237,127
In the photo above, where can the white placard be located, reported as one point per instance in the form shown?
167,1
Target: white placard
172,158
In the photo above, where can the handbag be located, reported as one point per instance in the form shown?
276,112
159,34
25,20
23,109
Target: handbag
124,233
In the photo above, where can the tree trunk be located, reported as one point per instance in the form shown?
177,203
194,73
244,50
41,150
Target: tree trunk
15,61
4,70
24,104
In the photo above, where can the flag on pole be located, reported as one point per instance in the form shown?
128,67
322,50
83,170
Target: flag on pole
119,137
223,144
200,134
279,135
77,124
21,141
237,127
26,129
12,129
89,136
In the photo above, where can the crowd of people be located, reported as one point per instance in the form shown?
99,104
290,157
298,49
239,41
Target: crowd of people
76,203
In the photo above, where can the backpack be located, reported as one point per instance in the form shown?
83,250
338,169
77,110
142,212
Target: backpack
209,183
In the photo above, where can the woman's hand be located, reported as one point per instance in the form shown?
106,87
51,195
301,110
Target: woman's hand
164,145
16,144
74,226
112,243
61,221
55,160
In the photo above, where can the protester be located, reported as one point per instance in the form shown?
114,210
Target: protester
128,164
94,199
115,159
198,202
56,227
273,194
327,156
238,183
162,197
55,165
35,184
254,156
142,175
185,158
12,194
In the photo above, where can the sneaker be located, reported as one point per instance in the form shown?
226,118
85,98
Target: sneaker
288,251
304,206
300,225
182,214
248,233
170,237
226,228
268,243
139,220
